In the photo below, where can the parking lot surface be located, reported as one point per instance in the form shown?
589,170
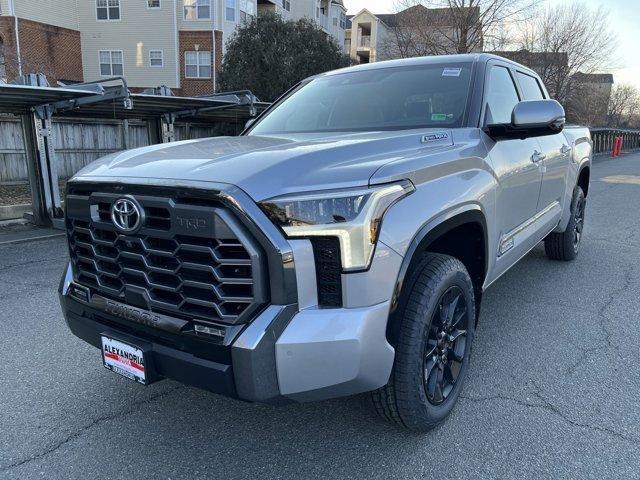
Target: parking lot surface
553,389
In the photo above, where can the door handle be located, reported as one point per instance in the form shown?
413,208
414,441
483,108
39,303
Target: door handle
565,150
537,157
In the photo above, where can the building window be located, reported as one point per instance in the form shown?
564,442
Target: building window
343,20
230,10
153,3
111,63
197,64
156,58
335,21
108,9
197,9
286,4
247,10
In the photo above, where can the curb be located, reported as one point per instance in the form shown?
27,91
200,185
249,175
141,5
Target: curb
32,238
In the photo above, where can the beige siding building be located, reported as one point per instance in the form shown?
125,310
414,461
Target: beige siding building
368,34
61,13
278,7
414,31
330,15
131,39
176,43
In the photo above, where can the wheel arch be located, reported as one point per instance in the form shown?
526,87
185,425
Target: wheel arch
584,176
446,235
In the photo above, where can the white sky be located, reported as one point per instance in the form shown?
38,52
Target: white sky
624,18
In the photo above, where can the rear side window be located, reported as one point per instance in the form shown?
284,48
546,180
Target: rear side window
502,96
530,87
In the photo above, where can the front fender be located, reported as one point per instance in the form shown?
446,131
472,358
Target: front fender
469,213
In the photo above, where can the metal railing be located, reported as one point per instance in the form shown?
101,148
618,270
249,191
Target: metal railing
604,138
364,41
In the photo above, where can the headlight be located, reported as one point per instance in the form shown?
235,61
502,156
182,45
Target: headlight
353,216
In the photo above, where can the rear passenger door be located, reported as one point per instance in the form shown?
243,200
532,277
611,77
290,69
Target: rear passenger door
518,177
555,151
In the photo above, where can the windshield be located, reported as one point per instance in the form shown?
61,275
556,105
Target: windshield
421,96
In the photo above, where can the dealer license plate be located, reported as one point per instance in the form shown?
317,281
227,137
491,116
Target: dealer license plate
123,359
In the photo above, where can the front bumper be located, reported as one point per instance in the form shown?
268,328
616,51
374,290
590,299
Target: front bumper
285,354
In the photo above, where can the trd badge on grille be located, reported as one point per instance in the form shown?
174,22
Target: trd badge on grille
127,215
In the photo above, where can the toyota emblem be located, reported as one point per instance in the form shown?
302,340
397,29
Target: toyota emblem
126,215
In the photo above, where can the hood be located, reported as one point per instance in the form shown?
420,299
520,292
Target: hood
265,167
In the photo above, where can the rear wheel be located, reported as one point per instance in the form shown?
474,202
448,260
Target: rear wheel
437,314
566,245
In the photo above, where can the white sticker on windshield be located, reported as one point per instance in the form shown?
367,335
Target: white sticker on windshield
451,72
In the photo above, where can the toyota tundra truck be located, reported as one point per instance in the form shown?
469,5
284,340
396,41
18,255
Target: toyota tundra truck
341,244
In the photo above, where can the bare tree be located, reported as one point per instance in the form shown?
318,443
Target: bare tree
434,27
567,39
589,104
624,106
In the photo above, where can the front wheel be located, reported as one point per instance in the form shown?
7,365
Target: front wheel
566,245
437,314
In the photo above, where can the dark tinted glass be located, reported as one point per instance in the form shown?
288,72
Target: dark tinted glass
530,87
502,96
381,99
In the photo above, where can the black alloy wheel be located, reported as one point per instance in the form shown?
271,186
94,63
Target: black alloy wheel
446,344
578,221
565,245
433,333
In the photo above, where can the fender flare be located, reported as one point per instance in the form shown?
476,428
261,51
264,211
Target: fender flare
429,232
585,163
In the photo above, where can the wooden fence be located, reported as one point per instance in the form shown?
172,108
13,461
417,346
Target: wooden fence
79,142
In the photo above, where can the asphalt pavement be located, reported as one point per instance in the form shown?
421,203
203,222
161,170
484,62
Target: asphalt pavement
553,389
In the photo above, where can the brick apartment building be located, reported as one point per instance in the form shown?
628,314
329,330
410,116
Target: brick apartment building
177,43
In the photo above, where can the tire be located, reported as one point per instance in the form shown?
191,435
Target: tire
410,398
566,245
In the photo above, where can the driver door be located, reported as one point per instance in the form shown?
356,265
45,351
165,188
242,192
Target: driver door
518,175
555,153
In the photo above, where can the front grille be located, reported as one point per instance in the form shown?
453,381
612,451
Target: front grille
191,259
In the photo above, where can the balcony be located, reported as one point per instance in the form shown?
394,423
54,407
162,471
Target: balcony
324,21
364,42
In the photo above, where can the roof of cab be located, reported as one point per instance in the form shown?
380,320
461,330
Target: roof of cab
435,59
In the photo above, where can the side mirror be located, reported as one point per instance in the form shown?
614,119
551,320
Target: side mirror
250,122
533,118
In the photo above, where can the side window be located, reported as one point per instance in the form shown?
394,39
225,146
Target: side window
530,87
502,96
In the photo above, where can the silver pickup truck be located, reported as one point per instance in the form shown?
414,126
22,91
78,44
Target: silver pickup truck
341,244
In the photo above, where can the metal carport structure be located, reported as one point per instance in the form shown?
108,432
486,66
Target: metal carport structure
37,103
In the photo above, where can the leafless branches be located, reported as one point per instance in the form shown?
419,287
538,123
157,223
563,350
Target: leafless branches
568,38
434,27
589,104
624,106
